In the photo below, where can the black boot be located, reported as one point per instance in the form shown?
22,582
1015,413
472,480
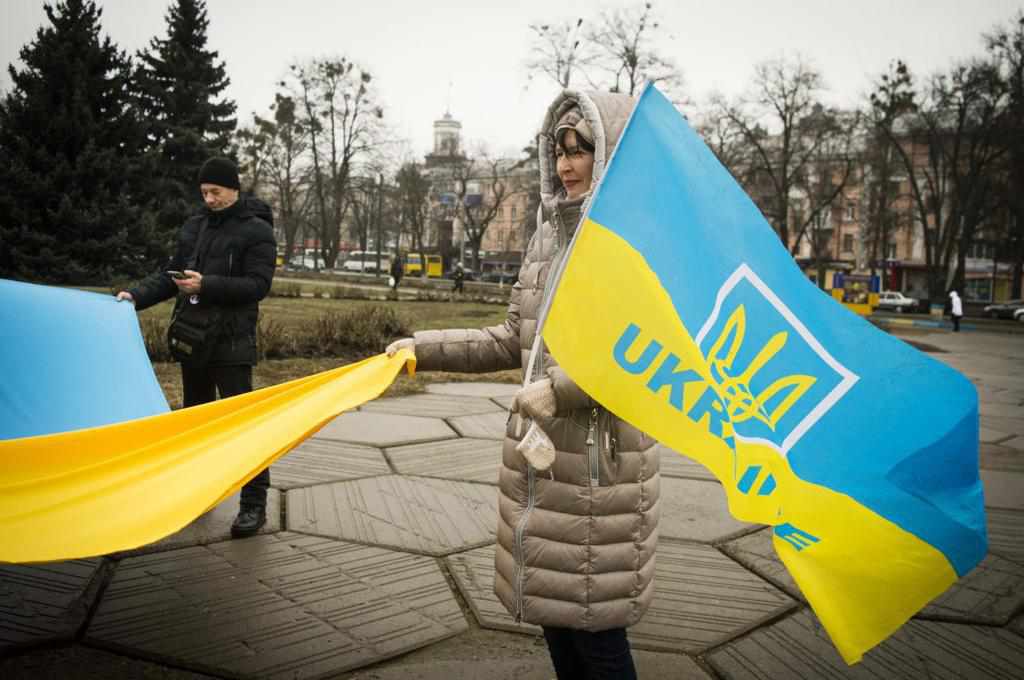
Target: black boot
250,520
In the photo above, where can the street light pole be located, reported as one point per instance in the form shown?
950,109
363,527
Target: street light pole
380,194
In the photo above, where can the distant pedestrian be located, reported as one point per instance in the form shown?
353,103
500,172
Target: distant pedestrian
397,270
956,309
458,276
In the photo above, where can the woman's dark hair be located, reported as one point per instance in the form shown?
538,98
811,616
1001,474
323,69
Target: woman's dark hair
580,141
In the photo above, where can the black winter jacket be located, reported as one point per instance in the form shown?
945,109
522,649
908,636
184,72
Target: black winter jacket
237,257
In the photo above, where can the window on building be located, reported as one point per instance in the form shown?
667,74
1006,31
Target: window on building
513,212
981,251
979,290
847,243
890,251
851,213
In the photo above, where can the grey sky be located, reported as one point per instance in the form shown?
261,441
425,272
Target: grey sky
415,48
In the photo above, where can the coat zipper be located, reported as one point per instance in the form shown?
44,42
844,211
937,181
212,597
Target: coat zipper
519,538
594,447
520,529
519,558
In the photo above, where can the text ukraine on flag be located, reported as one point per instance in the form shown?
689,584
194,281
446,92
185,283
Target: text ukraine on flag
680,311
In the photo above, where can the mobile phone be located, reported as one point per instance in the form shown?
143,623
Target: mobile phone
176,275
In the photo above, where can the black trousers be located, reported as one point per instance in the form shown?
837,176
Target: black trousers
201,386
956,323
582,655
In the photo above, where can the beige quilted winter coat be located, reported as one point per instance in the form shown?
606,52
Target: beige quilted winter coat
575,543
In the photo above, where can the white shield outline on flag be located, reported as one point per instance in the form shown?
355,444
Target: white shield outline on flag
847,377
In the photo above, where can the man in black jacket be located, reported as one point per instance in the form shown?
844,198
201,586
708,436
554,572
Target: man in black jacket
225,258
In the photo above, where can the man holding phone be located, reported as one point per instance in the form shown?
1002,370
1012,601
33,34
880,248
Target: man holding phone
224,261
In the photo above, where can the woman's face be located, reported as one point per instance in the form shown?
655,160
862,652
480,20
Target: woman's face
575,166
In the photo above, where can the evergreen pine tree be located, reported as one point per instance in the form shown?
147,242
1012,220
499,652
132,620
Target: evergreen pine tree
69,150
179,83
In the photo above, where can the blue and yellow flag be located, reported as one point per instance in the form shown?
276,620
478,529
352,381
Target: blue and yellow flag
91,459
681,312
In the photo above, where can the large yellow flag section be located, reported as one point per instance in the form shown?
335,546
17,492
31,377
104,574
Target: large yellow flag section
104,489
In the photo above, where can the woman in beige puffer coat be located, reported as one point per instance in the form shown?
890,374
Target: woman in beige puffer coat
576,541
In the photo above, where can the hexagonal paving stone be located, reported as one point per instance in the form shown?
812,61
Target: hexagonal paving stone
1005,537
418,514
213,526
994,457
702,598
1003,489
481,653
756,552
281,606
992,408
673,464
432,405
46,602
1014,426
697,510
384,429
482,426
798,647
474,389
1018,624
474,575
82,662
989,436
504,402
316,461
989,594
470,460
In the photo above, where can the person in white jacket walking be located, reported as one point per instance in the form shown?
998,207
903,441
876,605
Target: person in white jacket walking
956,309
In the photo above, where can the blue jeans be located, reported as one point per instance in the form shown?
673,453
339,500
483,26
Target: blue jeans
583,655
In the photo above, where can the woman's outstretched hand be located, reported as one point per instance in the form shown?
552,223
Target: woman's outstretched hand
404,343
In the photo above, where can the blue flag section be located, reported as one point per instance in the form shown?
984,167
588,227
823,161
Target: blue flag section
680,311
70,360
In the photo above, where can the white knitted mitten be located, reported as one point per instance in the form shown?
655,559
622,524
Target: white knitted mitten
537,448
536,400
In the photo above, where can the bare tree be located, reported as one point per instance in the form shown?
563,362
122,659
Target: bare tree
557,51
623,41
821,187
780,122
947,138
364,201
412,195
341,117
482,185
273,152
881,198
727,141
1006,48
252,144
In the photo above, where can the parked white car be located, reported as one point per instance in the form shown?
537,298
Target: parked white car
365,262
1019,315
896,301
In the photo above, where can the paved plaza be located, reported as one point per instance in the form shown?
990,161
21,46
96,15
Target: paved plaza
377,563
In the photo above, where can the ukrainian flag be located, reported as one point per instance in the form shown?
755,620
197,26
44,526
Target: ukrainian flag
680,311
87,440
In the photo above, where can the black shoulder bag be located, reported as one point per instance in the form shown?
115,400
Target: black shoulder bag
195,328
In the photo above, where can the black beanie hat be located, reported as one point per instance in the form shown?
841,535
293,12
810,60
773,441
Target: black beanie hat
220,171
